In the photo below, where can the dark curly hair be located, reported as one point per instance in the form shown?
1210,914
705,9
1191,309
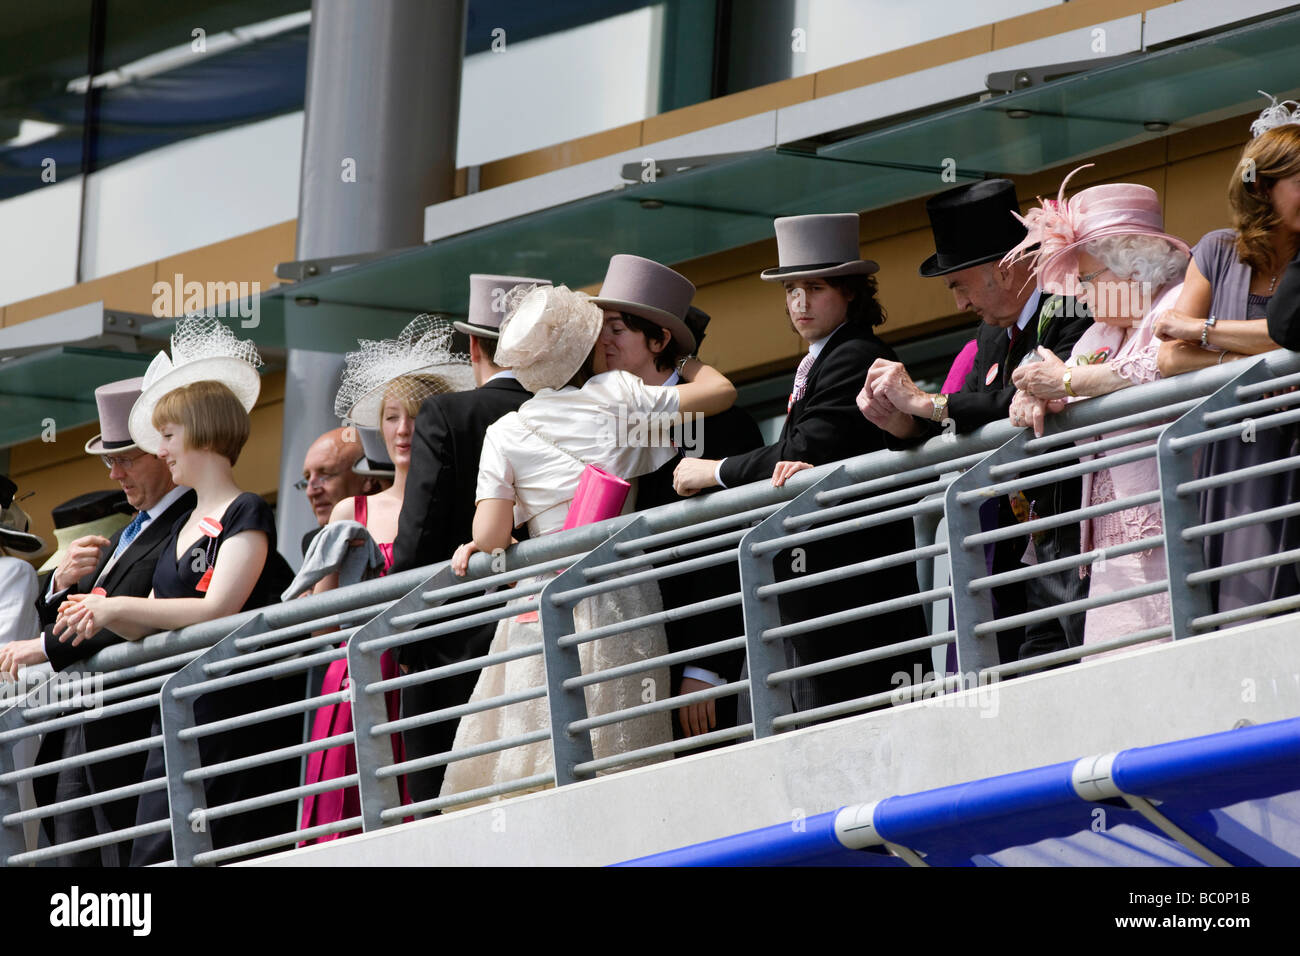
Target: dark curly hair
860,291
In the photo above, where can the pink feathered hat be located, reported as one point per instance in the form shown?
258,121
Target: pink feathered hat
1060,226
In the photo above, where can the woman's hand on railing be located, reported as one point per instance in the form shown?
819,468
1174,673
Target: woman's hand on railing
1174,325
1043,379
16,655
80,616
460,560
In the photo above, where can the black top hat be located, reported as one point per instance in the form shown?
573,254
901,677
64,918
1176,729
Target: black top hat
91,506
697,320
972,224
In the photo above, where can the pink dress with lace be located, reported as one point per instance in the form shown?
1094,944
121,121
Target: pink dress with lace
1135,360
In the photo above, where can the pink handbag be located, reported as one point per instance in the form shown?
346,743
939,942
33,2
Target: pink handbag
600,495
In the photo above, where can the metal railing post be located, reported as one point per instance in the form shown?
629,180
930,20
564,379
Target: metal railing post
13,837
186,800
763,656
369,710
1177,465
966,563
563,663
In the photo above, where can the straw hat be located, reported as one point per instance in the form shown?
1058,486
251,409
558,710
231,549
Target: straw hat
203,350
808,247
644,288
96,512
1059,227
546,340
488,302
423,348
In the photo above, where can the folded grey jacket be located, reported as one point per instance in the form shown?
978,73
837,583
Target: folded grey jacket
334,550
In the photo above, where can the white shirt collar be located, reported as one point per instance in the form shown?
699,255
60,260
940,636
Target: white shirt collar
165,502
672,379
816,347
504,373
1026,314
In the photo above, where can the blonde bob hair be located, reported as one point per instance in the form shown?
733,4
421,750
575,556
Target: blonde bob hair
213,418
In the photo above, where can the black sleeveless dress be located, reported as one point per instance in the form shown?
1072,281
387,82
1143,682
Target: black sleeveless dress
182,579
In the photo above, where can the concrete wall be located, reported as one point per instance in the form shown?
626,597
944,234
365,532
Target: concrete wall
1168,692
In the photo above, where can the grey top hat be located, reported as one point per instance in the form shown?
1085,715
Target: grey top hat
809,247
114,401
488,303
644,288
374,463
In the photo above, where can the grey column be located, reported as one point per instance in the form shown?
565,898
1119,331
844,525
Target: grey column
379,145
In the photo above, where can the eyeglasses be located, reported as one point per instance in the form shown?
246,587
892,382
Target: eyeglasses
1092,275
119,461
302,484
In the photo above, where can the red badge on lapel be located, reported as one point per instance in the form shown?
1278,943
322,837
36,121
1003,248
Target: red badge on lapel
991,377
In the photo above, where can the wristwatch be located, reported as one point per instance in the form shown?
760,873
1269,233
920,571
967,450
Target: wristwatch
940,409
1065,383
681,362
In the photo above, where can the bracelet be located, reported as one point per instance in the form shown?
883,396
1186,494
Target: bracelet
1065,383
1221,355
681,362
1205,332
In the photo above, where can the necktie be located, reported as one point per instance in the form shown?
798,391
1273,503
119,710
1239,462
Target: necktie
130,531
800,380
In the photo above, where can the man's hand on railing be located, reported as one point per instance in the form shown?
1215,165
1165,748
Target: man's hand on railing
1027,410
891,401
700,717
16,655
694,474
784,470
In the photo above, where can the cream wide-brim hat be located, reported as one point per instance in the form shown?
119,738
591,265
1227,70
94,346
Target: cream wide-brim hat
422,348
105,527
548,337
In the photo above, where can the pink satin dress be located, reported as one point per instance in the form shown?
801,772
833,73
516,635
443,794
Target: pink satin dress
334,719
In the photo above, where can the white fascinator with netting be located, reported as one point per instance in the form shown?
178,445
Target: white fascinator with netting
203,350
410,368
548,336
1286,113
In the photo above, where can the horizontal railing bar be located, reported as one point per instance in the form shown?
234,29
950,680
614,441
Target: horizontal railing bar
460,710
832,710
1246,613
82,760
656,707
804,581
80,803
281,651
1240,521
1211,435
675,553
469,796
859,657
465,753
749,517
826,515
1064,564
1250,564
416,678
252,676
850,615
267,757
1071,654
1053,475
1072,453
270,843
1073,516
236,807
1245,392
651,575
1244,410
360,615
506,609
761,548
261,716
1238,475
489,582
456,609
663,660
1156,412
859,488
88,843
592,767
1071,607
85,715
679,613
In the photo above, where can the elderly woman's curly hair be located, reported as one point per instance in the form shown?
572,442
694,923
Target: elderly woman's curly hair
1267,158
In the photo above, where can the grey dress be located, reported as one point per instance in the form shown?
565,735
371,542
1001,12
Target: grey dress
1229,279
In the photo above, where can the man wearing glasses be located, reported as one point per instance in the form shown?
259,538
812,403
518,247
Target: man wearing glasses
328,476
121,565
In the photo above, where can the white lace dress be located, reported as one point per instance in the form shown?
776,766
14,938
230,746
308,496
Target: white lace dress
540,477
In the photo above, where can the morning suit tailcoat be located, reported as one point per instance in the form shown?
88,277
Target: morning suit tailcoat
130,576
826,425
985,397
732,432
1284,309
437,517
